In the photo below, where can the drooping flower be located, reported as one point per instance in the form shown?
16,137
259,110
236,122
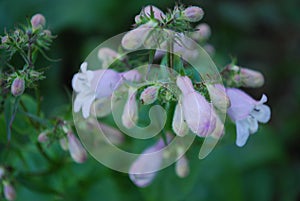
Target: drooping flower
182,168
145,167
198,113
179,125
38,20
246,113
18,87
9,191
193,13
76,149
130,112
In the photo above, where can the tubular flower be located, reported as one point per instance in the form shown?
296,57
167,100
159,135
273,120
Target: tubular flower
9,191
179,125
203,32
217,93
197,112
76,150
246,113
143,170
149,95
107,56
130,112
193,13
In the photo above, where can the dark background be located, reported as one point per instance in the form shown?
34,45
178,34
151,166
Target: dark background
262,34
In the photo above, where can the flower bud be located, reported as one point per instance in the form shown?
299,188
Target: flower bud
38,20
9,192
18,87
182,168
47,32
179,125
209,49
43,137
149,95
193,13
2,172
63,143
202,33
130,113
76,149
4,39
251,78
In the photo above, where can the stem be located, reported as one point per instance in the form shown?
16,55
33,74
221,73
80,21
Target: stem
29,53
170,53
42,151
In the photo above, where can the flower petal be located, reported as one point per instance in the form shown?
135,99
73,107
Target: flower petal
262,113
253,124
242,132
86,107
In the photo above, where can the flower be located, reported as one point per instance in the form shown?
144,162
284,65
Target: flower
43,137
18,87
249,78
38,20
218,96
130,112
202,32
76,150
90,85
193,13
246,113
2,172
179,125
9,191
149,95
143,170
197,112
182,168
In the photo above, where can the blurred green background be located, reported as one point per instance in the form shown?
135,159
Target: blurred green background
262,34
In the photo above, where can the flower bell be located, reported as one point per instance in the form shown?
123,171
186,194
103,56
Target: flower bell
202,32
198,113
149,95
9,191
18,87
38,20
182,168
246,113
107,56
179,125
193,13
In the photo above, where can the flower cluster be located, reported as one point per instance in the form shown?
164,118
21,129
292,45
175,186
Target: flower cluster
197,104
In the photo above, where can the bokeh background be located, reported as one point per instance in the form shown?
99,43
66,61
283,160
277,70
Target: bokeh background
262,34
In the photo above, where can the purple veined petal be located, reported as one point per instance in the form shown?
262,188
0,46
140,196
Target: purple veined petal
241,104
179,125
262,113
105,82
253,124
144,168
242,132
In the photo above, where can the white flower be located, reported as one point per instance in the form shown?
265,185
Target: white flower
246,113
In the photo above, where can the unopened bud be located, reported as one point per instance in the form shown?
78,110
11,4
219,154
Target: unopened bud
43,137
64,144
182,168
76,149
38,20
149,95
18,87
251,78
9,191
202,33
2,172
179,125
193,13
130,112
4,39
218,96
47,32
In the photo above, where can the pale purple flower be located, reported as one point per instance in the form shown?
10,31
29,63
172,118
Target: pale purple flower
149,95
182,167
9,191
198,113
107,56
249,78
2,172
179,125
38,20
43,137
193,13
246,113
130,112
18,87
114,135
76,149
218,96
145,167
